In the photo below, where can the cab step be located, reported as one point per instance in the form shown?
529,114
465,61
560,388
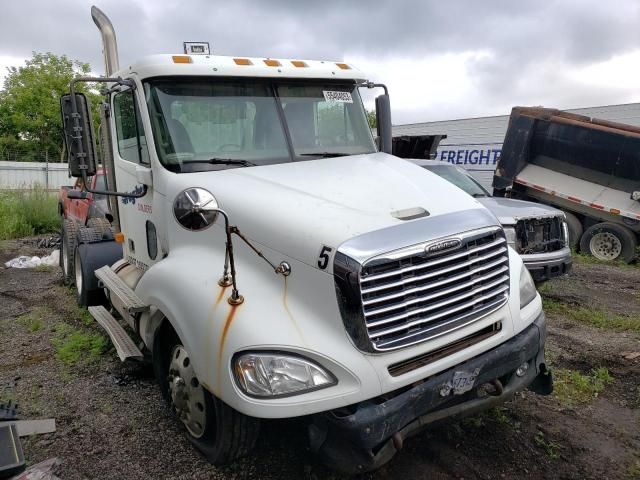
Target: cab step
117,287
124,345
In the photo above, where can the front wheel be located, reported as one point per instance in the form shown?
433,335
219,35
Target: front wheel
609,241
218,431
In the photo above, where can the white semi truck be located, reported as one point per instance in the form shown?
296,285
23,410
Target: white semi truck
273,262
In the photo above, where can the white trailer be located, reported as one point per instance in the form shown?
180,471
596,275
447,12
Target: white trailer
272,262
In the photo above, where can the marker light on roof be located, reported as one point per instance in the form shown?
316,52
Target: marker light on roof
242,61
299,64
181,59
272,63
343,66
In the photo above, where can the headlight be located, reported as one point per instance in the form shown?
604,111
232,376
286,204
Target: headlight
510,233
565,233
274,375
527,288
195,208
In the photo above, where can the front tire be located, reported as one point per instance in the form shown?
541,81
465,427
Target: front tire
218,431
609,241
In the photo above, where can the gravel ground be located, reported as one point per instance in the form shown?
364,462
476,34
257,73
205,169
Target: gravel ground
112,422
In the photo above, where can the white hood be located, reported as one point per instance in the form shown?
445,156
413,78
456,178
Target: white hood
297,208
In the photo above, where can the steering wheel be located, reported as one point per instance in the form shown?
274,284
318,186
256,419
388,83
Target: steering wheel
234,147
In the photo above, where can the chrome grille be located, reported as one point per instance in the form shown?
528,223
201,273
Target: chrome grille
409,296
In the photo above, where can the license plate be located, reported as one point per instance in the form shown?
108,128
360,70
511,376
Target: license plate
461,382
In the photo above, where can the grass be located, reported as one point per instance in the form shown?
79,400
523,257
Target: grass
593,316
33,321
574,388
74,346
551,448
586,259
596,317
633,472
30,212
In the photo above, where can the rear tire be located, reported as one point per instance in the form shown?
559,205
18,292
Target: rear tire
67,249
224,434
609,241
99,223
575,229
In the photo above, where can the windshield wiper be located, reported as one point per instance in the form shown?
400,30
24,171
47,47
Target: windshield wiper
479,195
324,154
229,161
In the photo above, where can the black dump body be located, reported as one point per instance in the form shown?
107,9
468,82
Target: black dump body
421,147
598,151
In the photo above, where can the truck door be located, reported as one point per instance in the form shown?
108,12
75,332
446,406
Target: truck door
130,153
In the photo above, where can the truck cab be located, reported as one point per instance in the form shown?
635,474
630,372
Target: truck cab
273,261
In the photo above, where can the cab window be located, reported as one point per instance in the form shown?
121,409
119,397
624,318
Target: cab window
132,144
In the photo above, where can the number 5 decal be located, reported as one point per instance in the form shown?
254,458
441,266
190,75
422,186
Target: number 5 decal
323,258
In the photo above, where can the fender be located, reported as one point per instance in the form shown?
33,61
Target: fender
296,314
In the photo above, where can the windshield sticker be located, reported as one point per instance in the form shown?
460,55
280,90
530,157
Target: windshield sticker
337,97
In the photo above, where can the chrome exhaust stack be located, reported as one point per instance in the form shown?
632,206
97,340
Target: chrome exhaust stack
109,43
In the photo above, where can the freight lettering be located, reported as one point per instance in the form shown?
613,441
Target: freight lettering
470,156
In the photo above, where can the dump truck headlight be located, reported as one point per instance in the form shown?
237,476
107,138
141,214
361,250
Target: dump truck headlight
278,374
527,288
565,233
510,233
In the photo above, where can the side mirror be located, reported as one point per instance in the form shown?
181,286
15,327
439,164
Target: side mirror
383,120
78,135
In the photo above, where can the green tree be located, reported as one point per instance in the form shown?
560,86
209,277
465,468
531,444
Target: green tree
30,102
371,118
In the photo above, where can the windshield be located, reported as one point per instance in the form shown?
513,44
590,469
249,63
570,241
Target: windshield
459,178
206,125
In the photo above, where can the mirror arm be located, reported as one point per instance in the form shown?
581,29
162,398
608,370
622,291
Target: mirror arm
78,133
370,85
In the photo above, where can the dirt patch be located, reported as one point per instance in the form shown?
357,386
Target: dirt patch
113,423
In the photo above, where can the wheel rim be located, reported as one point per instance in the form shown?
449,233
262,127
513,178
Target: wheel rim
187,394
65,257
605,246
78,272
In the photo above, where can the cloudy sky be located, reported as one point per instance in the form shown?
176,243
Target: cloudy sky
441,60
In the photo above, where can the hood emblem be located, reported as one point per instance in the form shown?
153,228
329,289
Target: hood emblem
443,245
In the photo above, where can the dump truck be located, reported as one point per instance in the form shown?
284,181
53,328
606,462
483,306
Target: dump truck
271,261
589,168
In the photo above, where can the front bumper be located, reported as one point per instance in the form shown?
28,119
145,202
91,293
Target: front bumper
544,266
367,435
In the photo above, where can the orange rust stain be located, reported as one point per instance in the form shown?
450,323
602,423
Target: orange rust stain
220,295
227,323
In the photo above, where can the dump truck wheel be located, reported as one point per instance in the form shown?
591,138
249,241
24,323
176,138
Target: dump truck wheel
575,229
609,241
67,249
218,431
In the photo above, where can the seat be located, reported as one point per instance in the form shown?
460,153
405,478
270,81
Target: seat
180,140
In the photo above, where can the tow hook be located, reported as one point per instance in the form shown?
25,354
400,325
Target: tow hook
497,386
398,441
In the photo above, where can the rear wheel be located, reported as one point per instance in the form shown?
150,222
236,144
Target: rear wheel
218,431
99,223
575,229
67,249
609,241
